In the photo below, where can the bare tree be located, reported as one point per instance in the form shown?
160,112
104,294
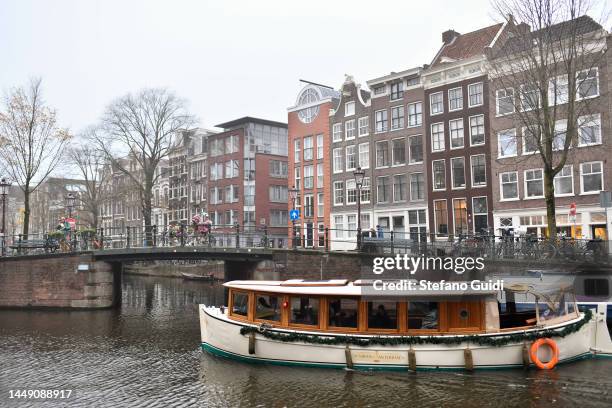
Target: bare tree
545,66
31,143
89,163
141,128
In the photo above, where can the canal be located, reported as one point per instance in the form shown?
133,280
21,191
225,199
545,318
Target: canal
147,354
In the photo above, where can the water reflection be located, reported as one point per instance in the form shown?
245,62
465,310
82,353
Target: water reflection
147,353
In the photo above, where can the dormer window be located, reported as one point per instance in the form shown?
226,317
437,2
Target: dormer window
379,90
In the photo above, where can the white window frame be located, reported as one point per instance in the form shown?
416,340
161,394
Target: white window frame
452,168
340,167
483,127
431,112
527,197
384,129
474,214
349,129
481,94
499,144
552,90
505,96
335,196
473,185
360,126
416,115
443,137
337,131
571,176
449,98
366,164
523,99
435,226
450,133
433,175
346,160
501,187
351,105
350,185
578,97
401,118
587,119
582,192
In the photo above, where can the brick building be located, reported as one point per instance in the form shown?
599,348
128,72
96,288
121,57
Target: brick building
247,179
309,160
517,171
458,137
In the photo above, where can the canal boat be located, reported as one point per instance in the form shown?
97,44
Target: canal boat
192,276
340,324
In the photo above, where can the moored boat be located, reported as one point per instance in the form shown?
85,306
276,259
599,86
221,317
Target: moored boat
335,324
192,276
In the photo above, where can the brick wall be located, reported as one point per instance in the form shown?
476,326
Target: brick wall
53,281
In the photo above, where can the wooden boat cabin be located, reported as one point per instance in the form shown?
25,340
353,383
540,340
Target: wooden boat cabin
342,306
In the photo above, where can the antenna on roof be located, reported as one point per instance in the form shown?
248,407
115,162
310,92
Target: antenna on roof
314,83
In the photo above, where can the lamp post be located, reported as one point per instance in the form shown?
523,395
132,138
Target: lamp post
293,194
4,188
70,200
359,174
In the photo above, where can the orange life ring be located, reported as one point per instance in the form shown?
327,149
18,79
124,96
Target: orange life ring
534,353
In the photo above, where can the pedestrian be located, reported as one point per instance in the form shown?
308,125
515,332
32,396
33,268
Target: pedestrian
379,231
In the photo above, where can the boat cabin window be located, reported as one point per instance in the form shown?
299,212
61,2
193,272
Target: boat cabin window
382,315
596,287
423,316
343,312
268,307
556,305
304,310
240,303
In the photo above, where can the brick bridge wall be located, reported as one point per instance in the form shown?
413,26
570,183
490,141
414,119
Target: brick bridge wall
53,281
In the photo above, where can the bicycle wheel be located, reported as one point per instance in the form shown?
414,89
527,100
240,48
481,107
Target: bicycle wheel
547,250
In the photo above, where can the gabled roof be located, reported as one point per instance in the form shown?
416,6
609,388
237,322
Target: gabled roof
576,27
467,45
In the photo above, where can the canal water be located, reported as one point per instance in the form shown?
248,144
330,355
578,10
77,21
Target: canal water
147,354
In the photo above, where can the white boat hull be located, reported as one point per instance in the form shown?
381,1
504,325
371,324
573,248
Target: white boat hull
221,336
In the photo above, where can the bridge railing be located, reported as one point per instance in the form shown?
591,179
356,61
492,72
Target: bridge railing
415,241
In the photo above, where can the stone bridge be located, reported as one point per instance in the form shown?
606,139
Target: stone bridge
92,279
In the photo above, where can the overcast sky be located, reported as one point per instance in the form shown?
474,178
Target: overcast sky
227,58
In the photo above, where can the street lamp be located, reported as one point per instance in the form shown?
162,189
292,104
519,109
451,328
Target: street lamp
70,200
4,189
293,194
359,174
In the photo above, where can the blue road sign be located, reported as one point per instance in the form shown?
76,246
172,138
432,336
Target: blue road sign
294,214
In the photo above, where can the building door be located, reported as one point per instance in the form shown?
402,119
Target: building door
309,235
321,235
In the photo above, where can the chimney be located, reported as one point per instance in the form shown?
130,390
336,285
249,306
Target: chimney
449,35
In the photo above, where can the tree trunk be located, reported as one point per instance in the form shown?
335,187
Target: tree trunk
147,212
549,197
26,211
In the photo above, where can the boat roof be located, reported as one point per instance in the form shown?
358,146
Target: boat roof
341,287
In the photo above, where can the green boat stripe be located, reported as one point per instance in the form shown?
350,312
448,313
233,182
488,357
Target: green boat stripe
297,363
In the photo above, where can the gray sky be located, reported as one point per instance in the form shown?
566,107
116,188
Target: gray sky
227,58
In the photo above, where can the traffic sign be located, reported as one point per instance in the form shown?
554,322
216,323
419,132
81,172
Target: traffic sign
294,214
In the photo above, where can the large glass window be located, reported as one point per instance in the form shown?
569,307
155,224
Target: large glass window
455,99
479,172
415,114
304,310
343,312
400,188
397,90
477,130
423,316
399,151
437,137
480,215
458,172
564,181
417,187
382,122
505,101
397,117
456,133
592,177
436,104
384,189
506,143
441,217
439,174
534,183
415,143
509,185
240,303
268,307
382,153
460,216
382,315
475,94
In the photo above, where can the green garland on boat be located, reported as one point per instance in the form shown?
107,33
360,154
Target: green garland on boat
500,340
